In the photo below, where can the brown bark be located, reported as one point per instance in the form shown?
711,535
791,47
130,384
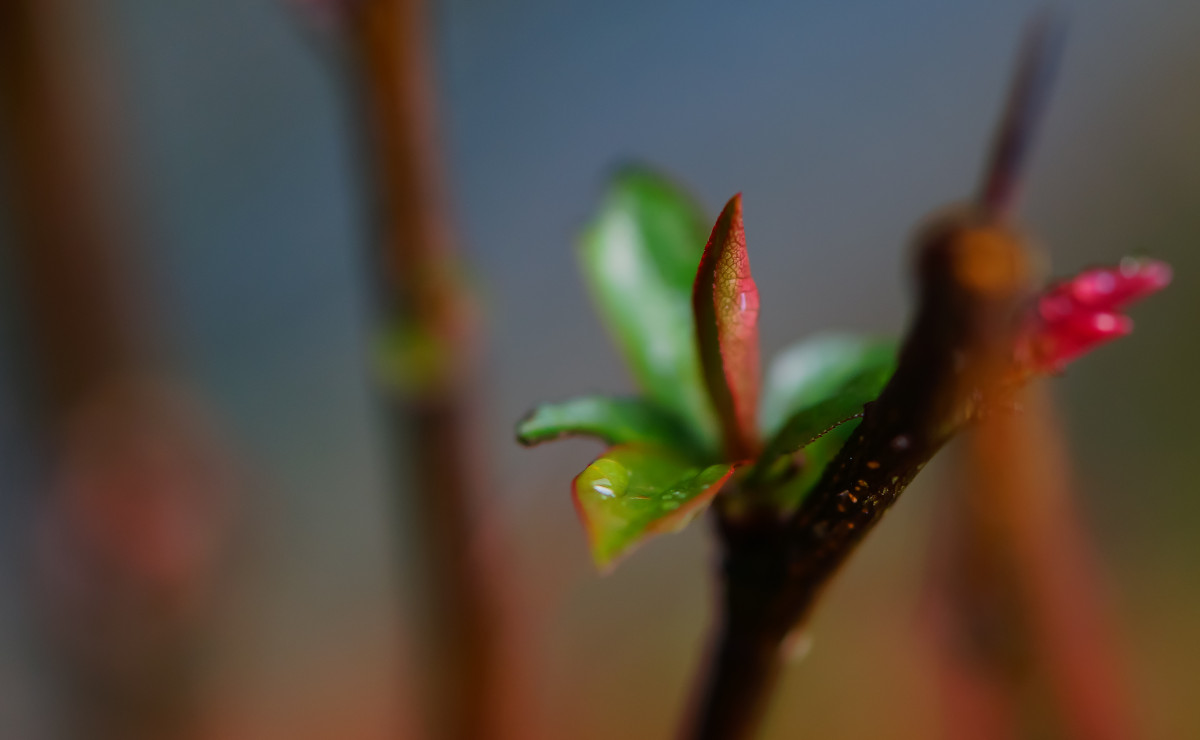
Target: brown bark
75,277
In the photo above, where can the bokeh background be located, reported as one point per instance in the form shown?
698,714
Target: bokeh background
842,123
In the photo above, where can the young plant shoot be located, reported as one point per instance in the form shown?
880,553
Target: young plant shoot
800,468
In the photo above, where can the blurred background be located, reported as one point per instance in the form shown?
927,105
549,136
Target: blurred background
842,123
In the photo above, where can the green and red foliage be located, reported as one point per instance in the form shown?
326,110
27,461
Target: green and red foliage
684,312
845,422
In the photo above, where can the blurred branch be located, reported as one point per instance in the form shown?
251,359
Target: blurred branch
426,305
1016,608
135,490
77,284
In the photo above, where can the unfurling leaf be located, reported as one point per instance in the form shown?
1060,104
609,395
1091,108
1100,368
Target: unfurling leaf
725,300
814,392
639,257
812,370
635,491
613,420
845,403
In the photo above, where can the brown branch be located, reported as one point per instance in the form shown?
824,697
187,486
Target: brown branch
75,280
132,523
433,415
972,274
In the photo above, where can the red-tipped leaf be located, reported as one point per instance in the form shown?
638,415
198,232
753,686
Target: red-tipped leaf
725,300
635,491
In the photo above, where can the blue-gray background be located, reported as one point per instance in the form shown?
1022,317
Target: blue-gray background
843,123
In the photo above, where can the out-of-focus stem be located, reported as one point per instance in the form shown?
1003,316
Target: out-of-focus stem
75,280
1016,609
423,298
133,514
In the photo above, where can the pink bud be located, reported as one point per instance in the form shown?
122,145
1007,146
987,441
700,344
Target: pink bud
1075,316
1110,288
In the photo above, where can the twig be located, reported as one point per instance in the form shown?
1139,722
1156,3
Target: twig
76,281
133,514
972,275
424,298
973,272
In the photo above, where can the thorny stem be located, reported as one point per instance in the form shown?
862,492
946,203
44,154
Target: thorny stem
391,63
971,276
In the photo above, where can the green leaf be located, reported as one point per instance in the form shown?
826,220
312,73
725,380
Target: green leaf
614,420
814,369
817,457
639,257
725,301
809,423
635,491
818,387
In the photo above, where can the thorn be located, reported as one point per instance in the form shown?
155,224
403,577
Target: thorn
1036,67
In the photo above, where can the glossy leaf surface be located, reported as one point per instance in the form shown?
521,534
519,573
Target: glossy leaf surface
726,306
635,491
639,257
812,370
613,420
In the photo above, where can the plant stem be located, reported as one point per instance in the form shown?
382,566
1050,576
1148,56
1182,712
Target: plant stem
747,654
124,602
954,354
972,272
422,292
76,282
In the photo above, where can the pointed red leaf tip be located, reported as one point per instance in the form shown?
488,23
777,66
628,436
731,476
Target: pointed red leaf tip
725,301
1075,316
